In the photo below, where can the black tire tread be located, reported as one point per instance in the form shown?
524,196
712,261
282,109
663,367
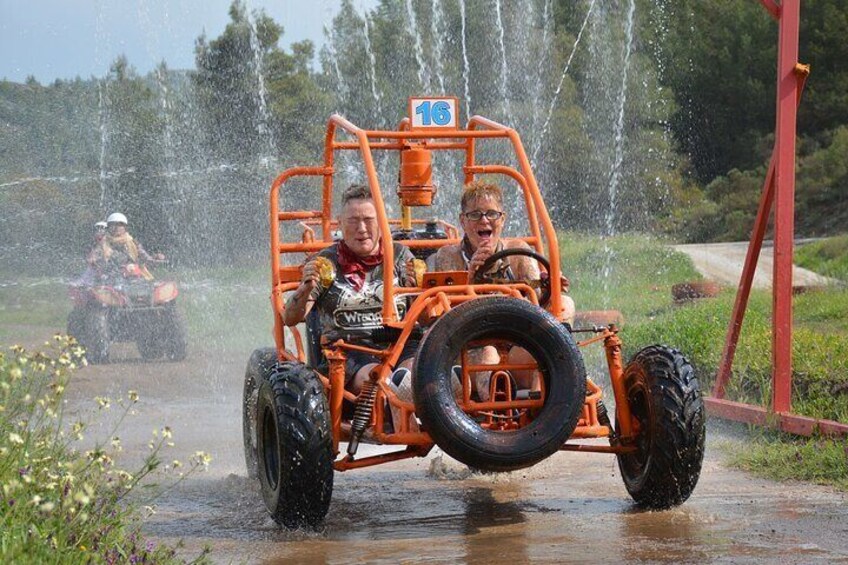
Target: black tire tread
174,334
96,335
478,448
76,323
676,448
258,370
302,498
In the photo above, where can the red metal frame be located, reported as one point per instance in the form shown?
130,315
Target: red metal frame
779,191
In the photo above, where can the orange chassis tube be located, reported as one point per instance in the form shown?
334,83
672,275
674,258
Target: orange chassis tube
431,302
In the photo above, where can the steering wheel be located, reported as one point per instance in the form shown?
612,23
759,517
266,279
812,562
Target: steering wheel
544,283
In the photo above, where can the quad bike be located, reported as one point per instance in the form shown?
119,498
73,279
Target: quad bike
297,411
128,306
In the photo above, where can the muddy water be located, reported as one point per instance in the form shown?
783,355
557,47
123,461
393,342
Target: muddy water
572,507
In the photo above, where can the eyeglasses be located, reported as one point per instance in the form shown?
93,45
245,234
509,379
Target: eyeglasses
477,215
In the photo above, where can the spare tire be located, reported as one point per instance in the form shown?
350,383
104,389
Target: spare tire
524,325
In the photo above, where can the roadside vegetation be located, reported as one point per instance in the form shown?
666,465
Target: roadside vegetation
63,499
641,272
827,256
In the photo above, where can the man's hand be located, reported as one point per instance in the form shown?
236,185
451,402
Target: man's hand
158,257
415,269
311,276
410,272
297,305
483,252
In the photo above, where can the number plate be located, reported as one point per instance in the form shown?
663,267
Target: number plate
434,112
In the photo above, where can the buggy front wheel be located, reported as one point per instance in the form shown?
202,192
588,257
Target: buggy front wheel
295,447
667,414
259,369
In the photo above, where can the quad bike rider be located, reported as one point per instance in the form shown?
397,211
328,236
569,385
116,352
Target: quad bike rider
297,409
123,302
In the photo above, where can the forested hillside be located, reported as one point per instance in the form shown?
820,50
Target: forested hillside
639,115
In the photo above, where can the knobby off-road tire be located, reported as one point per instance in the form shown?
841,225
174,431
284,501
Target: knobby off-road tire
528,326
259,368
149,341
295,446
665,399
76,323
173,333
96,335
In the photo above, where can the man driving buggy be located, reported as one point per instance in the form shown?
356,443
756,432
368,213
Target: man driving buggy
482,218
351,304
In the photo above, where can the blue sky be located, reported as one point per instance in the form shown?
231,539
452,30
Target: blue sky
52,39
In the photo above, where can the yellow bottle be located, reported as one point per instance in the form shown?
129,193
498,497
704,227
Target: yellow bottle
326,271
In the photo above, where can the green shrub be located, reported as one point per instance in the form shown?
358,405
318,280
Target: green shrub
57,503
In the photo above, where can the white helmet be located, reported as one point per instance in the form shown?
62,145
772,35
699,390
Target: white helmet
117,218
101,225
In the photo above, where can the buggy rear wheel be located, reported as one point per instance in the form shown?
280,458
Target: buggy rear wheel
259,368
518,323
295,448
667,411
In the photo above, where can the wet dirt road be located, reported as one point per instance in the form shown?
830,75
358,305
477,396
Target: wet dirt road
572,507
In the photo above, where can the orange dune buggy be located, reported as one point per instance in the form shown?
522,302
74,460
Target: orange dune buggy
297,411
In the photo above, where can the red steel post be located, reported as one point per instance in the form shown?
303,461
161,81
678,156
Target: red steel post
784,208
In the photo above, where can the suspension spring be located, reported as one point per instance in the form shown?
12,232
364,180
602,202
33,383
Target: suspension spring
361,414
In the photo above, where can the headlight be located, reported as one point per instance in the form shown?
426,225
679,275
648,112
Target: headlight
165,292
107,296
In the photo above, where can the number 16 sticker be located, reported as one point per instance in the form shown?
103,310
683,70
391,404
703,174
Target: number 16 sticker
434,113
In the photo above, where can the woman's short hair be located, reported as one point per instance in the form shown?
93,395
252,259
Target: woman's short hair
356,192
481,189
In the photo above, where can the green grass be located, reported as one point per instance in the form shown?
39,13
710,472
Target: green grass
783,457
630,273
827,257
29,304
641,272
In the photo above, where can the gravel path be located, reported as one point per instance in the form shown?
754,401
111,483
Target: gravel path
723,262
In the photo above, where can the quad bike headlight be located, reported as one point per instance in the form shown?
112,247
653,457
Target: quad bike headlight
107,296
164,292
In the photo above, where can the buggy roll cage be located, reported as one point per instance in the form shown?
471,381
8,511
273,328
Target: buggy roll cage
432,300
367,140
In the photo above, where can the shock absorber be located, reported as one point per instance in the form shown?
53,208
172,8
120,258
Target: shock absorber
361,414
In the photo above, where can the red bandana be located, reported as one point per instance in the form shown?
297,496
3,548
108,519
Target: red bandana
354,267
